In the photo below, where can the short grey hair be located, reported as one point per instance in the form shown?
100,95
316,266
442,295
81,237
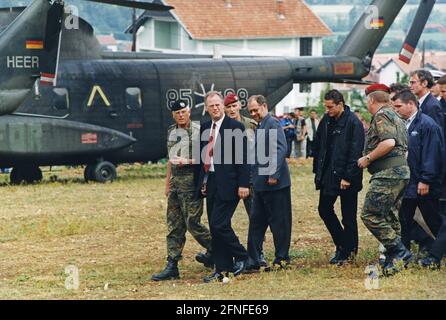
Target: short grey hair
211,94
259,99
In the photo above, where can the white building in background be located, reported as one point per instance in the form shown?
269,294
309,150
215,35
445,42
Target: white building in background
238,28
388,69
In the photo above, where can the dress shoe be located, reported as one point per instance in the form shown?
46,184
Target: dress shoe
430,262
280,264
398,257
262,261
239,267
214,277
335,258
346,257
206,259
170,272
252,268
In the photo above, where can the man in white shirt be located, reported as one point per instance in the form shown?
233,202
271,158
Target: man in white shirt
421,81
223,180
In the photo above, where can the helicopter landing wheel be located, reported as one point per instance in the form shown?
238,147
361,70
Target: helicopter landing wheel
102,172
88,173
26,174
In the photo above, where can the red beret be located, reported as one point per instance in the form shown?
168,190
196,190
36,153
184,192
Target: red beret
376,87
230,99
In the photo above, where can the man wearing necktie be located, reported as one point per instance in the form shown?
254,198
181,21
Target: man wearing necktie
224,180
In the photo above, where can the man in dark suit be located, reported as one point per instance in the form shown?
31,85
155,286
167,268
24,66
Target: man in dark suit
442,83
272,187
421,81
425,159
223,180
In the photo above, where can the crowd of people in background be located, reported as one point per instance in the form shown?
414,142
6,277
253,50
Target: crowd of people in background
300,130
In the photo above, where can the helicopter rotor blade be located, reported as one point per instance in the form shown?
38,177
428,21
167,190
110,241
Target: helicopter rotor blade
50,56
416,29
136,4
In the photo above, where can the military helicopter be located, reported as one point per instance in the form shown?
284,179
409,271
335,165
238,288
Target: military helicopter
111,109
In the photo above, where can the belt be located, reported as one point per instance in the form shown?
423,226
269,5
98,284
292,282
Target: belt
387,163
183,171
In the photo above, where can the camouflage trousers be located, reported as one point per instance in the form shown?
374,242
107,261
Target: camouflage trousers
184,214
381,207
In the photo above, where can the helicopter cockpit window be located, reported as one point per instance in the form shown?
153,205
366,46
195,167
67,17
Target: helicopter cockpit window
61,99
133,98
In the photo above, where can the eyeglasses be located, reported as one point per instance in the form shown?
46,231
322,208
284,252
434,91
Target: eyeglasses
413,81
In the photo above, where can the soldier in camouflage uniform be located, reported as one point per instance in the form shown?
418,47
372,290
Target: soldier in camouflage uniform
183,210
232,110
385,158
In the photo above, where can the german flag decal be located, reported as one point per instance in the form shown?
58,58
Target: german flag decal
377,23
34,44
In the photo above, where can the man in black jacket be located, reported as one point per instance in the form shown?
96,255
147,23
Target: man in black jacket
223,180
337,147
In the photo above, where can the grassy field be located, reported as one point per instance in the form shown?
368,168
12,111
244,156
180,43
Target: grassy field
114,234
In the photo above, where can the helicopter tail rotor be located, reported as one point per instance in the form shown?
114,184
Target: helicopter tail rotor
415,31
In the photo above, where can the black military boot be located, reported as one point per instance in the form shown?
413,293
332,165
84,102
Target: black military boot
262,261
398,257
170,272
382,255
430,262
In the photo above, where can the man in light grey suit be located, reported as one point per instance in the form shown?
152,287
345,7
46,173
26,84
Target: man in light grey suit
272,187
